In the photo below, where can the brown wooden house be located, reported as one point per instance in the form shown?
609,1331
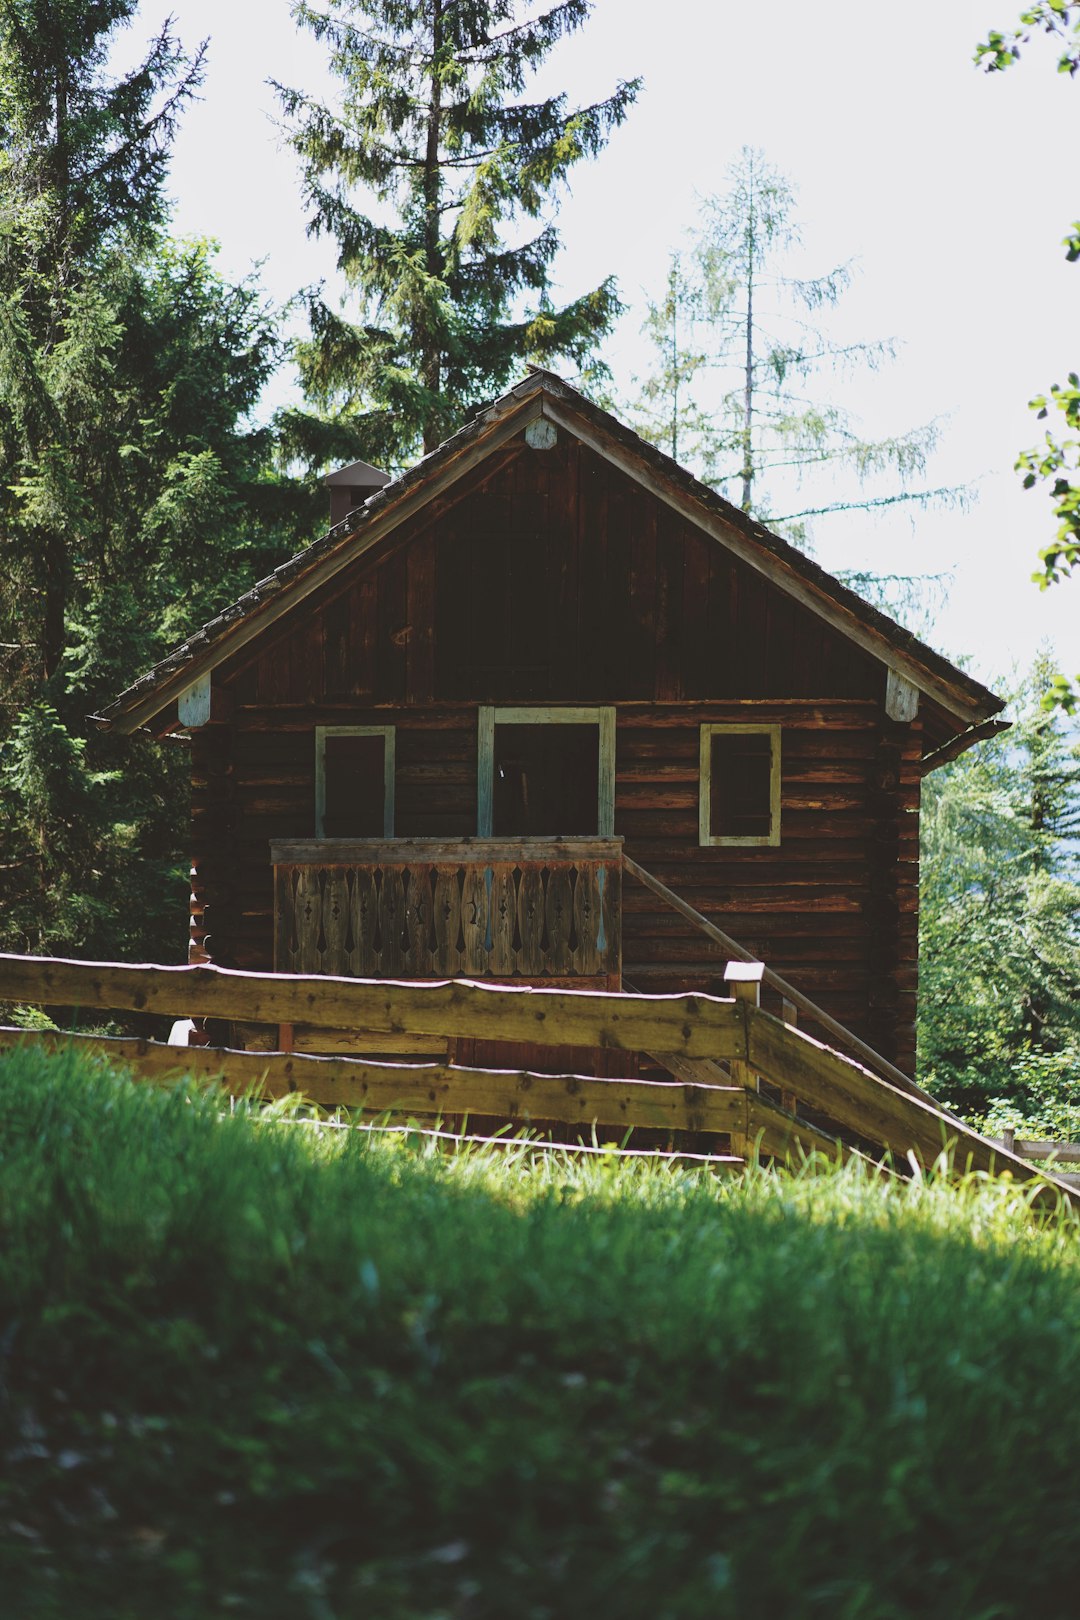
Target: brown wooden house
445,739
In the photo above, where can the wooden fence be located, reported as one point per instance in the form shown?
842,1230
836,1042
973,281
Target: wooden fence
1037,1151
715,1049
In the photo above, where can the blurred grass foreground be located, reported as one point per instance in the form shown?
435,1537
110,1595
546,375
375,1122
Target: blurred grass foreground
250,1370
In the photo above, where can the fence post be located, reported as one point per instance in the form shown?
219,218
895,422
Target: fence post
743,980
790,1014
1008,1138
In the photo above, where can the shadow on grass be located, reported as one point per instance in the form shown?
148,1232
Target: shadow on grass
250,1370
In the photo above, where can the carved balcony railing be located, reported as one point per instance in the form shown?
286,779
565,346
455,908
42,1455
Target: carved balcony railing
542,910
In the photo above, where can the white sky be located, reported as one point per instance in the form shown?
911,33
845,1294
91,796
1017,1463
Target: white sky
952,189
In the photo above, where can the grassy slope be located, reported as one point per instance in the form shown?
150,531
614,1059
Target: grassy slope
256,1371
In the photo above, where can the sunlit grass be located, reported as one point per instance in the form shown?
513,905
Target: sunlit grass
299,1372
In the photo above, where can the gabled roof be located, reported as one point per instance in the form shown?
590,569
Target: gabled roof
542,394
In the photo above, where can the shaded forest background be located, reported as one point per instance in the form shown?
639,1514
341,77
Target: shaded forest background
141,489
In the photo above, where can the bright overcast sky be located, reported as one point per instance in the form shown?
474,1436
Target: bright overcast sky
951,189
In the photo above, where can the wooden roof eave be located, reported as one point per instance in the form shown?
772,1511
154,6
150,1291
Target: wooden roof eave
960,744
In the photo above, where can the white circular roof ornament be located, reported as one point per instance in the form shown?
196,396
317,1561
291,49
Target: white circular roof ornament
540,434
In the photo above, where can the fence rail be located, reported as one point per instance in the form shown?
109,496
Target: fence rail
692,1035
1032,1149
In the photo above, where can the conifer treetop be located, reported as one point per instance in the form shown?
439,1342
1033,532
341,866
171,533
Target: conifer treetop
430,154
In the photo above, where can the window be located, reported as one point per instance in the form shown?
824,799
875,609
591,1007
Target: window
740,785
546,773
354,781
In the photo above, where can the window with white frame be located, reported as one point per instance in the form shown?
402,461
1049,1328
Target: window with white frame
739,795
354,781
546,773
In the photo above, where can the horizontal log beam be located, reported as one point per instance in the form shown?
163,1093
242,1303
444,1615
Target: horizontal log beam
463,852
427,1089
692,1025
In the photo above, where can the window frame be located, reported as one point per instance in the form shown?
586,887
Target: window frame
387,733
490,715
711,729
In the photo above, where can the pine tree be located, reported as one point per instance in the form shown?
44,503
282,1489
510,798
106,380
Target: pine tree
738,350
82,163
134,489
446,157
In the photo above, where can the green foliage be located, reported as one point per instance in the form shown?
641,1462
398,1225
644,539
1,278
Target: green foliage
430,129
83,154
1055,463
90,863
999,1004
737,348
254,1369
135,491
1058,18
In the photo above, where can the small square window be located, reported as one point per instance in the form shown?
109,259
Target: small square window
740,785
354,782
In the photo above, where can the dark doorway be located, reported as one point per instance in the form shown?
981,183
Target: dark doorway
547,781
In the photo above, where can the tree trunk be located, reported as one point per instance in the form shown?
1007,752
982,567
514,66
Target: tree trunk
431,358
53,633
748,376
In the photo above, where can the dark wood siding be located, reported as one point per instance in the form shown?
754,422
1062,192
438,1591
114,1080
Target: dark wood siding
549,577
555,580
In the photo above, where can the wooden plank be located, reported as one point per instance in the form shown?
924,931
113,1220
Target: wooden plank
502,915
447,906
773,980
485,771
474,920
436,1088
406,851
609,878
391,921
420,589
365,922
419,908
691,1025
335,921
530,918
559,917
901,697
587,919
1032,1148
193,704
284,911
308,920
860,1101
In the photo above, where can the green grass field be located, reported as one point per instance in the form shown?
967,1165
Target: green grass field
249,1369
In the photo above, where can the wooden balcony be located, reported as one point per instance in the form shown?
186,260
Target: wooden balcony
547,911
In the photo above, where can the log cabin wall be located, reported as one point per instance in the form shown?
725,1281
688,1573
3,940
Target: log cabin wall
551,578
